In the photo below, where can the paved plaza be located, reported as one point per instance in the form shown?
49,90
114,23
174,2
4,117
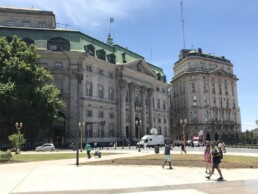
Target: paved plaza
63,176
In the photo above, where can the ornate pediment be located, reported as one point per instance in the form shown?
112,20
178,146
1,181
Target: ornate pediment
141,66
221,72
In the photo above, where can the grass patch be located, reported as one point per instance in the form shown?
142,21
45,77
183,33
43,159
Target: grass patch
46,156
189,160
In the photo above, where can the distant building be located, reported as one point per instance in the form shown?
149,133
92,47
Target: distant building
98,82
204,91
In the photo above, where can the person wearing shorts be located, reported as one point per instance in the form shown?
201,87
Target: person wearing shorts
167,155
215,162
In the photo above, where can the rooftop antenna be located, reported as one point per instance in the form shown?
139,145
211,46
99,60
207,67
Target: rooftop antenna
183,22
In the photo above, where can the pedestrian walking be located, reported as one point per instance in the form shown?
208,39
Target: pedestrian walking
88,149
216,159
207,158
183,148
167,155
223,147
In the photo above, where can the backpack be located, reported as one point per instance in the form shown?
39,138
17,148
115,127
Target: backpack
221,153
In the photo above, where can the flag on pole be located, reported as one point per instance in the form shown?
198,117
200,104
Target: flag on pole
111,20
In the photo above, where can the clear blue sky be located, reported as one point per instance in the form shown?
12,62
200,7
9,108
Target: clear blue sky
153,29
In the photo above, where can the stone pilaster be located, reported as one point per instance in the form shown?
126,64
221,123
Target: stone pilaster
122,85
132,110
150,95
143,97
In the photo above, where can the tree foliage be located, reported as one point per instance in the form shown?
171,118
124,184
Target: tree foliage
17,140
26,90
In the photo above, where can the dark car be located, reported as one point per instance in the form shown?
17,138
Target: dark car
72,146
4,147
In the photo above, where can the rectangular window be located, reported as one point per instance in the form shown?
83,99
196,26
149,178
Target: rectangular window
193,87
111,115
89,113
89,128
89,68
101,92
9,23
101,131
101,114
111,94
206,116
164,104
194,101
158,103
195,116
205,101
127,96
42,25
88,89
58,65
101,72
25,23
111,130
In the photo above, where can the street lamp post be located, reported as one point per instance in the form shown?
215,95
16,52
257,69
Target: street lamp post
81,126
18,127
123,136
183,124
138,124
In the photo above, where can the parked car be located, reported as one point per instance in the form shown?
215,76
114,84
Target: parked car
72,146
4,147
46,147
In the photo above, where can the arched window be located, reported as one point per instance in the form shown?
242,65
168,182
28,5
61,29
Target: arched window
58,44
28,41
101,54
90,49
111,58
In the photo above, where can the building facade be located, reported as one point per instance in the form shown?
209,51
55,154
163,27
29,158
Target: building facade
204,92
104,85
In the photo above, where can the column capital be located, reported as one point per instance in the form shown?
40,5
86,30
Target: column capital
143,89
150,91
132,85
122,83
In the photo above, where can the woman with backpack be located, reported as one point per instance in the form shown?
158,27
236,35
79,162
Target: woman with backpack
216,159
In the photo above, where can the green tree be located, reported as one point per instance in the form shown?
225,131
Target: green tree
27,93
17,140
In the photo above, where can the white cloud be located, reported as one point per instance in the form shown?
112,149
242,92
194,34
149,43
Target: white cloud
88,13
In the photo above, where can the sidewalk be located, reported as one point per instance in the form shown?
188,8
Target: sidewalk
63,176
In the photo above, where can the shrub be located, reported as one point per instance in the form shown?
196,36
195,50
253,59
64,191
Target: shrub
5,156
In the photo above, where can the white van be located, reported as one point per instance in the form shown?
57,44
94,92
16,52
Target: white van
152,140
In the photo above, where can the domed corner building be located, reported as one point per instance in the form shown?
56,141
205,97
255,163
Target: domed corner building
104,85
204,92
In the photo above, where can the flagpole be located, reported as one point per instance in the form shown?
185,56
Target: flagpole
110,21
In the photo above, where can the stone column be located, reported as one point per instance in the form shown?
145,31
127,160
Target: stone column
122,85
132,109
74,105
143,97
150,95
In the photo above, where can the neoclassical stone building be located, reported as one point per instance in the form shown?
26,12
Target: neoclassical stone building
204,91
98,81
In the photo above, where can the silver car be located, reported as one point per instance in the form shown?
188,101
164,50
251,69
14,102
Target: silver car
46,147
